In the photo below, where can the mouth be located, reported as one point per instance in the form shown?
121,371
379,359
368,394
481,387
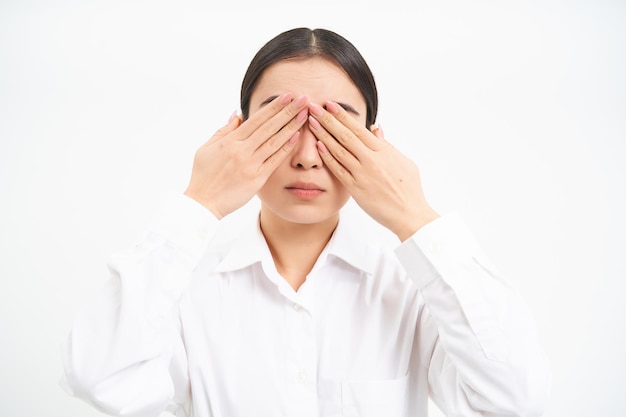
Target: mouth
305,190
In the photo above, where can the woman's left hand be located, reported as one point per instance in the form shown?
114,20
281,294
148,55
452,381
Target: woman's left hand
383,182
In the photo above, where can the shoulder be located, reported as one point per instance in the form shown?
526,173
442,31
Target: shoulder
367,245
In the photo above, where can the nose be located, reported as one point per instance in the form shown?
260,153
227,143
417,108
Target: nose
305,155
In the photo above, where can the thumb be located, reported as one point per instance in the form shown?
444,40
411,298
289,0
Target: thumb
377,130
234,121
234,117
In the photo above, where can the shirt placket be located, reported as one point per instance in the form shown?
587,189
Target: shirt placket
301,358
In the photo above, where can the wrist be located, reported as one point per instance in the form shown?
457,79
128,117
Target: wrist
203,201
415,223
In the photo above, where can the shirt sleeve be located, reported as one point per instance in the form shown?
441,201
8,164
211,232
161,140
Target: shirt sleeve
484,356
124,354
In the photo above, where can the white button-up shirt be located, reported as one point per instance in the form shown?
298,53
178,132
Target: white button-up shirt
198,321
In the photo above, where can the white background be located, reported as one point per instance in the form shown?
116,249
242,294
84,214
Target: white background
515,112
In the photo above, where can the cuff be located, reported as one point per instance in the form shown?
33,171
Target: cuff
436,248
185,223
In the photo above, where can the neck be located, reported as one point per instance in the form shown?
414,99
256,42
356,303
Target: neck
295,247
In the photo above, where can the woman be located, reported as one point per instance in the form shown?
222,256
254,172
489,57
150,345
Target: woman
297,316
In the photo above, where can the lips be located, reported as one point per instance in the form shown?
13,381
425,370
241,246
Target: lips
305,190
304,186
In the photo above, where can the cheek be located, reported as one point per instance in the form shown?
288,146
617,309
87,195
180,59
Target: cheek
269,185
274,182
280,172
341,191
336,183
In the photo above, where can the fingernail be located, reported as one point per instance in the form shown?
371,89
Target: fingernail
294,137
301,101
316,109
314,124
232,116
301,117
377,130
321,147
285,99
332,107
380,129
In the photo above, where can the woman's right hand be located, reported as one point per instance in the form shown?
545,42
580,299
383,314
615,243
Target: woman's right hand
233,165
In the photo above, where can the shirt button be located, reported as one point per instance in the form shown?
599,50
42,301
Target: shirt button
301,376
435,248
297,307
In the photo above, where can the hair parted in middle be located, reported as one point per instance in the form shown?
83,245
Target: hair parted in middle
304,43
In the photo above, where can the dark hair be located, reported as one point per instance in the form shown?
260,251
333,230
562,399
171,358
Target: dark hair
303,43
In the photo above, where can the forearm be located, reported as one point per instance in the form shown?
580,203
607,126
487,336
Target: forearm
124,349
486,345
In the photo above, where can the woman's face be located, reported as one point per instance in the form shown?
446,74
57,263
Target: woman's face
302,189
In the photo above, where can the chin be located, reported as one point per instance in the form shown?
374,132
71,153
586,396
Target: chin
303,214
309,215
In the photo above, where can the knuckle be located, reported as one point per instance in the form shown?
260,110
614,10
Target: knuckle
340,171
269,128
273,160
286,148
326,119
345,137
342,116
269,164
291,111
341,153
219,132
272,142
276,106
367,160
254,123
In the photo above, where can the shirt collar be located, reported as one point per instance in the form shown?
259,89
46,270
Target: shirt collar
250,247
349,245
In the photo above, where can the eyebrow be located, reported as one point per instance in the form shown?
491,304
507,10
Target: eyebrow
267,100
345,106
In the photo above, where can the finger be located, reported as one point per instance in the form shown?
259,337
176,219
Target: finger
377,130
364,135
277,122
234,121
336,168
264,114
275,159
336,149
338,130
270,146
